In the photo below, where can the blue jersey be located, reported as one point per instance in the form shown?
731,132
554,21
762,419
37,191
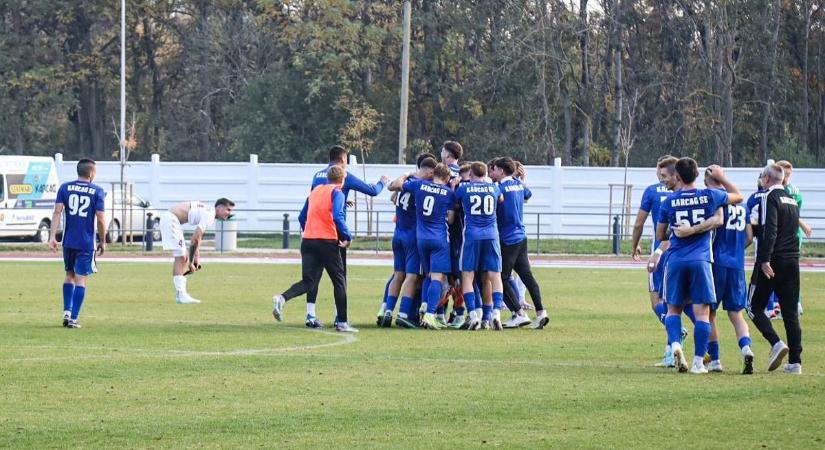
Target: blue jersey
351,182
479,201
755,199
729,239
405,211
692,207
653,196
432,203
81,201
454,168
510,213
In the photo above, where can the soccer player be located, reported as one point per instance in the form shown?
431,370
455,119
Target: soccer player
652,197
202,217
324,222
481,251
83,203
804,229
406,260
513,240
692,214
729,242
434,201
451,153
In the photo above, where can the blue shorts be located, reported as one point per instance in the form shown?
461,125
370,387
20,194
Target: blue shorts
689,282
435,256
730,287
405,253
654,280
481,256
81,262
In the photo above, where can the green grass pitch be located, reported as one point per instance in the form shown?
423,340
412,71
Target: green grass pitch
147,373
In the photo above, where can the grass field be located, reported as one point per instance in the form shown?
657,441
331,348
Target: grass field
146,373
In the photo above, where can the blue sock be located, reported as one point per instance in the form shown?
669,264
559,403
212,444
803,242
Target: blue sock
415,306
486,312
701,332
477,291
406,303
391,301
68,293
744,341
425,291
433,296
498,300
77,300
713,350
459,311
771,302
387,287
441,309
470,300
660,309
691,316
673,325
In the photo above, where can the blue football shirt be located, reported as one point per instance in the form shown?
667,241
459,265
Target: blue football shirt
432,203
755,199
652,198
479,201
729,239
81,200
405,219
510,213
691,206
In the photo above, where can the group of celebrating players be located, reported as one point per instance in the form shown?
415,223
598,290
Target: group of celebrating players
698,261
459,233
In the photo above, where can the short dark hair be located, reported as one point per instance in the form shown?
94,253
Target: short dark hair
464,168
337,153
478,169
335,174
506,164
454,148
441,171
427,163
421,157
687,169
223,201
492,163
85,166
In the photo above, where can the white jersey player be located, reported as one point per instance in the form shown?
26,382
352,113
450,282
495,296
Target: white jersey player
171,229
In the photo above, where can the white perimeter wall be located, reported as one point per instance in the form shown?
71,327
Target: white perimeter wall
578,197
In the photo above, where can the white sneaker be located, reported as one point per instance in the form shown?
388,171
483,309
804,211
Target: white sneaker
344,327
698,367
795,369
183,298
517,322
715,366
778,353
540,321
679,358
473,324
278,302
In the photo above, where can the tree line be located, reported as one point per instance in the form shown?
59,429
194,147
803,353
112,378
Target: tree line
594,82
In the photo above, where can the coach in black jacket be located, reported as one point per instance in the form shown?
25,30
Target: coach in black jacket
777,268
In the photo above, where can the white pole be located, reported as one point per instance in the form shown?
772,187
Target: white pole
405,85
122,108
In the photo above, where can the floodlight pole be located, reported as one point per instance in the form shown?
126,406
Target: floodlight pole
405,85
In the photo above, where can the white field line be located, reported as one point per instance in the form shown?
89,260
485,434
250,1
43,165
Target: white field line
382,262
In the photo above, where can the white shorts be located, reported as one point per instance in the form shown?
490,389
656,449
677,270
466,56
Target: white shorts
171,232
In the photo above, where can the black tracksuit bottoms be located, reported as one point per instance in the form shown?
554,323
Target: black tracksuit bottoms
514,257
318,255
785,284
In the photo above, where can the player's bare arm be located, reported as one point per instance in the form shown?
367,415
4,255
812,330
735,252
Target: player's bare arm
57,214
718,174
684,230
397,183
638,227
100,216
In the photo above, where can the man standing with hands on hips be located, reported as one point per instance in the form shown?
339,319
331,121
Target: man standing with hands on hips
777,269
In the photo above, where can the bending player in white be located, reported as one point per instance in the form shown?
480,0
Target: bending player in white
171,230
